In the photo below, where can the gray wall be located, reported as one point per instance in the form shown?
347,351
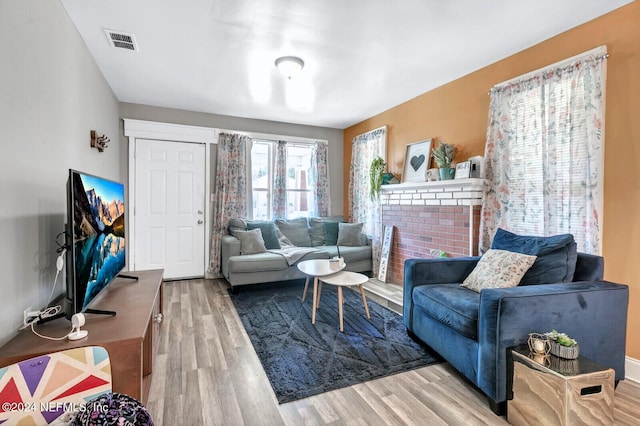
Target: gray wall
51,95
334,136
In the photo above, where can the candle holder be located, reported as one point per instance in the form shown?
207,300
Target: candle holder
539,344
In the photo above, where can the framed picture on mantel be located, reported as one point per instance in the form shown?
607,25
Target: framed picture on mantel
416,161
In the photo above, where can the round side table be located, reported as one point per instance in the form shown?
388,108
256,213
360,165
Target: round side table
315,268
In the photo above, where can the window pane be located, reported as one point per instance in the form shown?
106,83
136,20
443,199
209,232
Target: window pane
260,205
260,163
299,203
298,165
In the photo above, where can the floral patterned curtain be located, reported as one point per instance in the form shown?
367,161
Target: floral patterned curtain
364,149
230,190
279,196
319,178
544,154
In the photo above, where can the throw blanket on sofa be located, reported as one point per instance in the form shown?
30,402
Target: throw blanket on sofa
293,254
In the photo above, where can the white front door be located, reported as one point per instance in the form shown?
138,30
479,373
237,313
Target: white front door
169,208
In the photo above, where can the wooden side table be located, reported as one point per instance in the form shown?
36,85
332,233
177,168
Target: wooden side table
316,268
345,279
555,391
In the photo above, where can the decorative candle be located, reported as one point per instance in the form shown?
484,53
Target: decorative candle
538,346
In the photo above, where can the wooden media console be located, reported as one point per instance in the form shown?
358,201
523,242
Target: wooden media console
131,337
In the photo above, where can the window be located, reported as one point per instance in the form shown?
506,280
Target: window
297,189
544,162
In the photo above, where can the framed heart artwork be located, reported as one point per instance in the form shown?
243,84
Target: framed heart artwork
416,161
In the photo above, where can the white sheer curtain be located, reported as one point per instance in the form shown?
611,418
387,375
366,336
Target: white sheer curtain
364,149
544,153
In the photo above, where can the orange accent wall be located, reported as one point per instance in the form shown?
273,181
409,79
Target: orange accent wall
457,113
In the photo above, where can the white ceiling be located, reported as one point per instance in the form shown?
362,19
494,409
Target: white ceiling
361,57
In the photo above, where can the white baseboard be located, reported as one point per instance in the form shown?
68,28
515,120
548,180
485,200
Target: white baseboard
632,369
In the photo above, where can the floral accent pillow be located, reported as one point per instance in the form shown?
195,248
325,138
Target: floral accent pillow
498,269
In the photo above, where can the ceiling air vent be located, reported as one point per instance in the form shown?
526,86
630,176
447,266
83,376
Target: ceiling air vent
122,40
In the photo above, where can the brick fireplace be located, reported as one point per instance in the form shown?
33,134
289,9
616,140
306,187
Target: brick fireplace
430,217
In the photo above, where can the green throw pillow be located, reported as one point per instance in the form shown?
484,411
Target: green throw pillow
331,233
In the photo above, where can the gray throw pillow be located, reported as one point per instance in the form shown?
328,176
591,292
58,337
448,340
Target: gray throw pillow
349,234
251,242
296,230
269,234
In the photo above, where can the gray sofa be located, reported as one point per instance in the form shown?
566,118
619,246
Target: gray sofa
270,265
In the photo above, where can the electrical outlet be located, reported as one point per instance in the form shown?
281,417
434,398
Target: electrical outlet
25,315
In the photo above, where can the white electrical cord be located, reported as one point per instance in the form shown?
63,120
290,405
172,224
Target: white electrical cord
59,266
47,313
52,311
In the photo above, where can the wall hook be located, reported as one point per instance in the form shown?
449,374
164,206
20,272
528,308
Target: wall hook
99,142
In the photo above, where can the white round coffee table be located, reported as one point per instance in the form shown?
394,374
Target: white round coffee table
345,279
316,268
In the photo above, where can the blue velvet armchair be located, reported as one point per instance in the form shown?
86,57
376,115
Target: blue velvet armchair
473,331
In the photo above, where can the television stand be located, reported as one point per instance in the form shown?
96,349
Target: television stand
131,338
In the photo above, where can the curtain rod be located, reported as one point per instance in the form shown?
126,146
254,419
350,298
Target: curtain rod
563,63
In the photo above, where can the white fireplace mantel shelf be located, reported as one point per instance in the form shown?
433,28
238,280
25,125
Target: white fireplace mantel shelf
472,184
454,192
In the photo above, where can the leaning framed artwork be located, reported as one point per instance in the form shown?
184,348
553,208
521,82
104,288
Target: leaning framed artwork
416,161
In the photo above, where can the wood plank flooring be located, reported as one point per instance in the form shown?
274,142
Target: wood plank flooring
207,373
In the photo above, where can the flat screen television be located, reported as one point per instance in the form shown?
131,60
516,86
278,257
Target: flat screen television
96,246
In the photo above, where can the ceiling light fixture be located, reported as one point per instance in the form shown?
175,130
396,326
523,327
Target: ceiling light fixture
289,66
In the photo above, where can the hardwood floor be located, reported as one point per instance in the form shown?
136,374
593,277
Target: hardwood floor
207,373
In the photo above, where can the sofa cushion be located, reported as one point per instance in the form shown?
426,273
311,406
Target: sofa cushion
237,224
349,253
269,234
556,255
349,234
257,262
295,230
450,304
316,228
498,269
251,242
330,233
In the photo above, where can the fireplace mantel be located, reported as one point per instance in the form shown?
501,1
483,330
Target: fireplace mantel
455,192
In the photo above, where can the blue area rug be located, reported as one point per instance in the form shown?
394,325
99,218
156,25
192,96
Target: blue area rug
302,360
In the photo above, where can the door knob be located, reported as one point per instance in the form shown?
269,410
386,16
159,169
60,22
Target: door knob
200,222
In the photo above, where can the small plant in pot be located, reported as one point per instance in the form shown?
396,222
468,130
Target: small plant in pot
443,156
562,345
376,175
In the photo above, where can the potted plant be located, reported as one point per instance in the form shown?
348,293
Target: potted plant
443,156
376,174
562,345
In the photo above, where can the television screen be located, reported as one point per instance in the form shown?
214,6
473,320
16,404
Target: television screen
96,217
